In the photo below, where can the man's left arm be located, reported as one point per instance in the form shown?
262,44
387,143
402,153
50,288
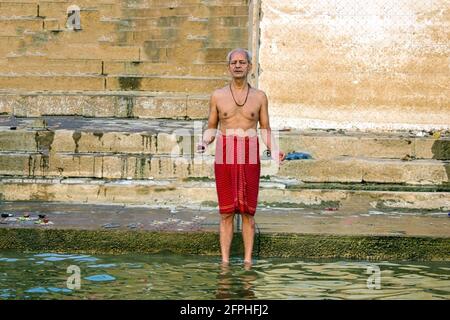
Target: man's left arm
266,131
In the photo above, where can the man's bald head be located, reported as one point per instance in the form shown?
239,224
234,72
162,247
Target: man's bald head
247,53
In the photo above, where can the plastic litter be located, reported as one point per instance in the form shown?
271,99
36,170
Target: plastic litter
111,225
135,225
298,156
6,215
331,209
436,135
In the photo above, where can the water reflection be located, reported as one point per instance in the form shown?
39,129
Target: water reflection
170,276
236,285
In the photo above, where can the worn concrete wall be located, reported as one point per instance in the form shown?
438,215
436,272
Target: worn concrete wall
379,64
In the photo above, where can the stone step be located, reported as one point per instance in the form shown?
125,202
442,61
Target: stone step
9,45
114,166
149,68
17,26
218,37
198,194
297,233
152,105
188,84
92,51
133,136
110,165
18,9
51,82
59,9
56,9
38,65
200,11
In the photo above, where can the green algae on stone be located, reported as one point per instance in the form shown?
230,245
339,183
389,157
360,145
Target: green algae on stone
316,246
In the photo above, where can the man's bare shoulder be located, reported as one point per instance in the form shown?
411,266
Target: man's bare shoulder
220,92
259,93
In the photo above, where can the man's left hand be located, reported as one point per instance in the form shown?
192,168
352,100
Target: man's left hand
281,156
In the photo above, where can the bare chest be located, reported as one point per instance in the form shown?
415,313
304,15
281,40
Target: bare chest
228,109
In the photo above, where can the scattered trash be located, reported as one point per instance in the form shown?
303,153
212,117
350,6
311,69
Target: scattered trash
135,225
298,156
6,215
41,216
331,209
111,225
408,158
26,215
448,215
421,134
13,121
285,129
436,135
43,222
374,212
27,218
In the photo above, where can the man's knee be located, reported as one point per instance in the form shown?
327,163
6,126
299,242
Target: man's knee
227,218
248,219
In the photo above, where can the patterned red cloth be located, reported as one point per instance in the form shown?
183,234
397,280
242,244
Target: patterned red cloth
237,169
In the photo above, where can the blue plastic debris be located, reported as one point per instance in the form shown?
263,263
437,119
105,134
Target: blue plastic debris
298,156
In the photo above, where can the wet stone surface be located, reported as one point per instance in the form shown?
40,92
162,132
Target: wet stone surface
355,219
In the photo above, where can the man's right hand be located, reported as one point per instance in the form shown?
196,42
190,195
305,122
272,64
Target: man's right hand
201,147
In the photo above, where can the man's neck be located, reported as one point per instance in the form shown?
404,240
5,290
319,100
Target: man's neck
239,84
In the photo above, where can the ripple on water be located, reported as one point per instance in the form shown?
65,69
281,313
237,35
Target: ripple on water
170,276
100,278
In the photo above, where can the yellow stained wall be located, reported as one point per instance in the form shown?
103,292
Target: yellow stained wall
378,64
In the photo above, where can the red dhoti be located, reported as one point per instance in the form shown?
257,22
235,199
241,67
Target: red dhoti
237,169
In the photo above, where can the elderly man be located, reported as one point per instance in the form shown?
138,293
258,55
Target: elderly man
236,109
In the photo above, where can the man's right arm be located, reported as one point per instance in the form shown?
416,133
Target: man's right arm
213,121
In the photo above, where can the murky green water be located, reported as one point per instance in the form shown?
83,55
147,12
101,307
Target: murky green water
170,276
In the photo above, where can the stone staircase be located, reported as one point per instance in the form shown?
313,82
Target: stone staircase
151,162
120,97
175,47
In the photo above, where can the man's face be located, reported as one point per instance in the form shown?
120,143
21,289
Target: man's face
239,67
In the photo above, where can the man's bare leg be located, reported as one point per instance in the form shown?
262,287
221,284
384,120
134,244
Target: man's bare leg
248,234
226,235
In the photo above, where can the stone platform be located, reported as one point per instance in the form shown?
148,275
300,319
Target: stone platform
285,232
